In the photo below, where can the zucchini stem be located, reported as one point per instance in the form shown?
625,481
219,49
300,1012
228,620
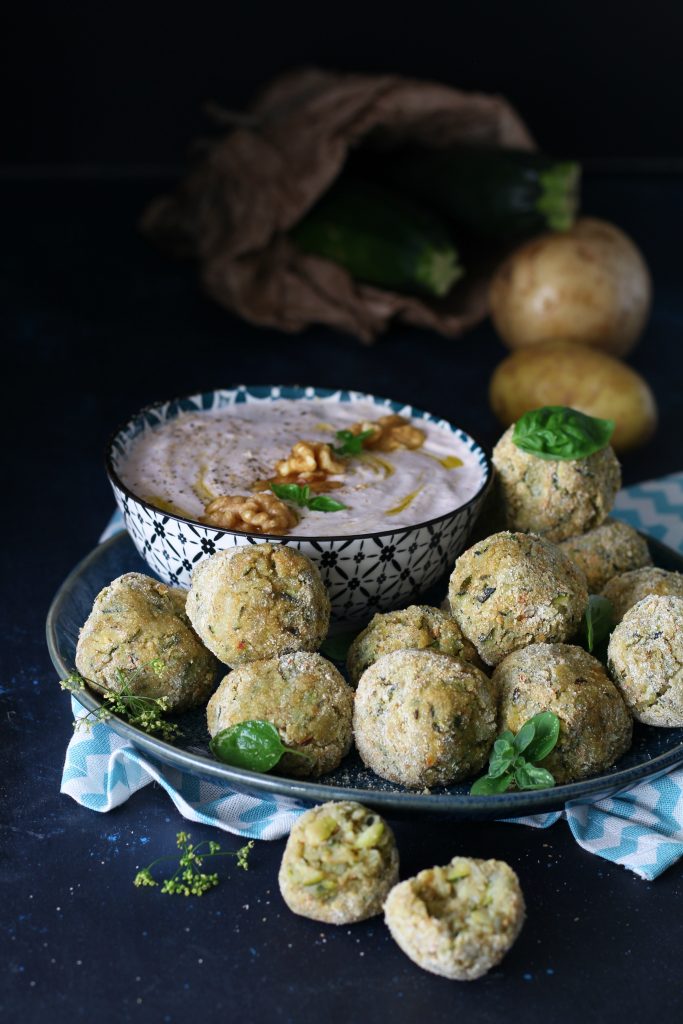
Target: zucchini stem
438,270
558,201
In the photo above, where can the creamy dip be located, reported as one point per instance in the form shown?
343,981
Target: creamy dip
182,465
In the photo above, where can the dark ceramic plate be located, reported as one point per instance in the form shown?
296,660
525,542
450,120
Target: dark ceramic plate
654,751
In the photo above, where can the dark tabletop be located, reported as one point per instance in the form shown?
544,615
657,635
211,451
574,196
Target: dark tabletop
94,324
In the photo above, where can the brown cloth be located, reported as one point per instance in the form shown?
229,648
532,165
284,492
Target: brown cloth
233,210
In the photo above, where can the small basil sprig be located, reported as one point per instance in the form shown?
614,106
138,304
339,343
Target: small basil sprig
302,497
558,432
254,744
513,758
351,444
597,622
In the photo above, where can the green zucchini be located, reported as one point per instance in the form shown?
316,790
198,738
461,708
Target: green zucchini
491,193
380,238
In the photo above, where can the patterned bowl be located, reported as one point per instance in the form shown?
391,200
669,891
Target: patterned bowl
363,573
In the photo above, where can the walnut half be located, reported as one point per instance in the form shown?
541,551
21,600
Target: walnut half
389,433
255,513
309,460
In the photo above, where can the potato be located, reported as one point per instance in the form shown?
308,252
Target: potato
562,373
590,285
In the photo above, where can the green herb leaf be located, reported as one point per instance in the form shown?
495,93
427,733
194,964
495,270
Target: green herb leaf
502,757
597,622
337,647
525,736
499,765
558,432
486,786
295,493
324,504
504,746
301,496
188,880
528,776
351,444
507,763
546,734
254,744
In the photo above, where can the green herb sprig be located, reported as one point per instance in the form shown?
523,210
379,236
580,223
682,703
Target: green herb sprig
597,622
189,879
145,713
351,444
254,744
558,432
513,758
301,496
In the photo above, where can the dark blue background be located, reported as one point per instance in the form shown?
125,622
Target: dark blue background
122,84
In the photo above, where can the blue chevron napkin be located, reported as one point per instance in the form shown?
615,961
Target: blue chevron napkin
641,829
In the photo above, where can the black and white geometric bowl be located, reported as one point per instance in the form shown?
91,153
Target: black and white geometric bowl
363,573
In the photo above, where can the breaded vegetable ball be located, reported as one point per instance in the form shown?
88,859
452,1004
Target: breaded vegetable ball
416,628
339,864
139,626
258,601
424,719
595,725
631,587
555,498
459,920
305,698
606,551
514,589
645,658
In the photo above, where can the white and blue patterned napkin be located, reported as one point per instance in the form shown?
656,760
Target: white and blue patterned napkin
641,830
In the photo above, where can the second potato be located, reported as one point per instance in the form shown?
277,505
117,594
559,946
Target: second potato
563,373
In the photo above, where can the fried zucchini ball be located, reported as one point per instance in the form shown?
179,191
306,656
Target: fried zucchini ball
514,589
417,628
645,658
258,601
306,699
606,551
631,587
138,627
459,920
424,719
595,725
555,498
339,863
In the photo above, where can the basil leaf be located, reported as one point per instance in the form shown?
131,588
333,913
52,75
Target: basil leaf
528,776
337,647
486,786
503,746
547,726
558,432
324,504
525,736
499,765
352,444
597,622
253,744
301,496
292,492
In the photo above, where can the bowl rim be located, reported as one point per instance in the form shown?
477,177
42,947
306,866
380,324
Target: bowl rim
280,538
